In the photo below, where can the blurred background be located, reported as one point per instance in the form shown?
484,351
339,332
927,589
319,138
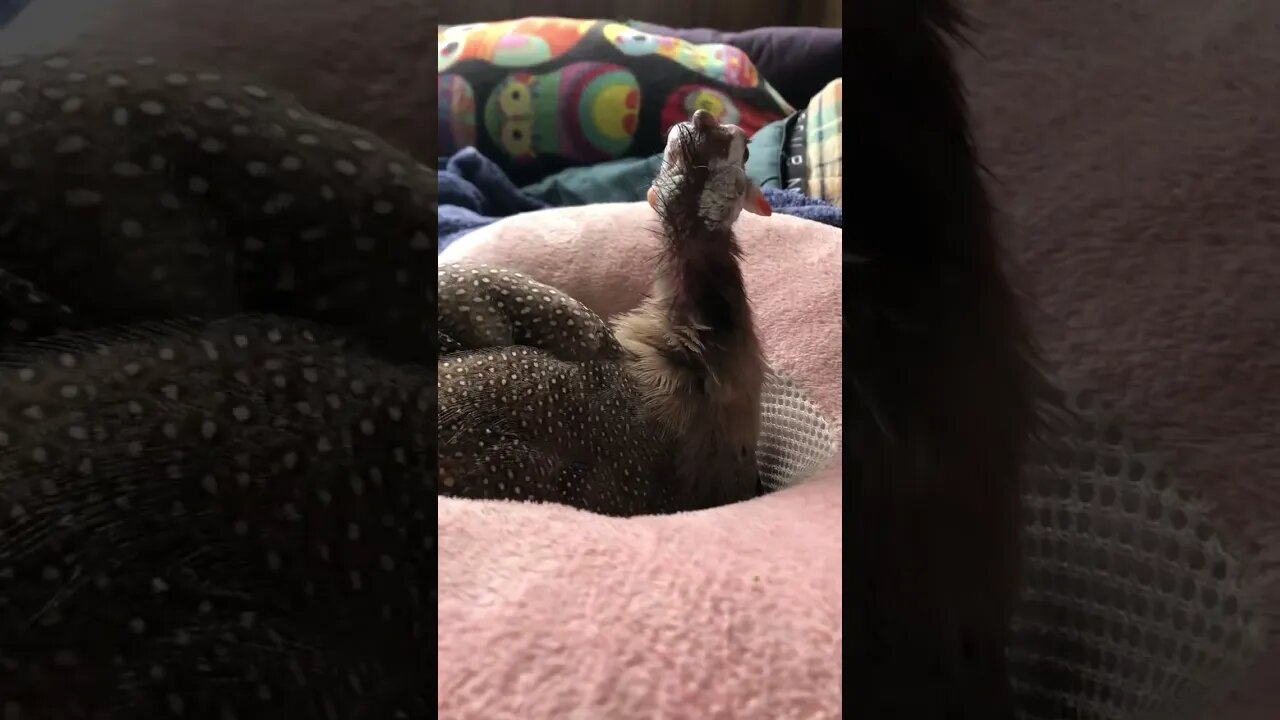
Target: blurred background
740,15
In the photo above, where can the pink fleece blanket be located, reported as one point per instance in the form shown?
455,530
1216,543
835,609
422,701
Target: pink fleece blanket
551,613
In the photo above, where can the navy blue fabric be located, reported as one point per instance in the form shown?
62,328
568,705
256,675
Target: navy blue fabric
790,202
474,192
9,9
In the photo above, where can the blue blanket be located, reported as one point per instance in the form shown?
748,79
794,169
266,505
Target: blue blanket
9,9
475,192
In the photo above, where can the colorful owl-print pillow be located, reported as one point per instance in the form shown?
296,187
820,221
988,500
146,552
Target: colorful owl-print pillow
540,94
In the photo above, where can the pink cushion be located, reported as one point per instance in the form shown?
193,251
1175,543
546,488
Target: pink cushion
734,612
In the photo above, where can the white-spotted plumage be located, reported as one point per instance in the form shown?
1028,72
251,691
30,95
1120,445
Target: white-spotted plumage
167,484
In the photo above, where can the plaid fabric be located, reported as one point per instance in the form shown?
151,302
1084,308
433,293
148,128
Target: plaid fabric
823,157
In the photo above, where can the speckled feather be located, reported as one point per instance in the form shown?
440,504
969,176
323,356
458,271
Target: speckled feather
542,400
214,520
224,517
134,191
534,401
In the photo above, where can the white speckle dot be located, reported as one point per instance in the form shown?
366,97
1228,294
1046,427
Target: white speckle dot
255,91
57,62
126,169
120,116
13,117
308,139
198,185
11,85
177,79
346,167
151,107
131,229
72,104
70,144
240,413
117,81
291,163
277,203
314,233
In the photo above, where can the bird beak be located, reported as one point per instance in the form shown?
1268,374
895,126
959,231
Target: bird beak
755,201
653,198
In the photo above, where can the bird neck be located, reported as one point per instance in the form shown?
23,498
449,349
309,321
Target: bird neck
699,284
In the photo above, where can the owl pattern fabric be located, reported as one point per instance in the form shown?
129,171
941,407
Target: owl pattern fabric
541,94
216,418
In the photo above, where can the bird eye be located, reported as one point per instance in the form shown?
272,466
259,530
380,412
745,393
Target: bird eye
746,153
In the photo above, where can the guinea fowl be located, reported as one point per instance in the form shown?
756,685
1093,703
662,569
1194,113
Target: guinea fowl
658,412
135,190
216,420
